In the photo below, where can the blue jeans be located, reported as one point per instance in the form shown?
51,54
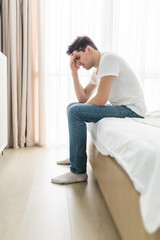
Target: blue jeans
78,115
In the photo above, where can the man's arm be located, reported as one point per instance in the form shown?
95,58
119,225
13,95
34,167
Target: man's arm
103,90
83,94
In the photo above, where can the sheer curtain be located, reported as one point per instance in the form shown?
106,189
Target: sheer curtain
127,27
138,38
67,19
23,44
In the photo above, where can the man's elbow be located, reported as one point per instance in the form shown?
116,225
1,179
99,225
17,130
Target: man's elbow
102,102
82,100
98,103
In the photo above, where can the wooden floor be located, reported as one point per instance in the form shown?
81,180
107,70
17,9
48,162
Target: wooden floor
31,208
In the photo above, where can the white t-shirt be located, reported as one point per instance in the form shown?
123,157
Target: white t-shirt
126,89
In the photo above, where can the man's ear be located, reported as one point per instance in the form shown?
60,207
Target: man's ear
89,49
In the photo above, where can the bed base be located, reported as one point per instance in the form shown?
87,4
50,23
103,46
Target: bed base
120,195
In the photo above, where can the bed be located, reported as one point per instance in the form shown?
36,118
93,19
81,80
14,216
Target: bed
125,158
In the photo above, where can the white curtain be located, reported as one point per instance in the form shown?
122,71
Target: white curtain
138,40
127,27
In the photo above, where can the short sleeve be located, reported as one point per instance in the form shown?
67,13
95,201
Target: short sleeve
109,66
94,78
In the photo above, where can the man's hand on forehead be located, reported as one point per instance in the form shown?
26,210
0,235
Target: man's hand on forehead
75,56
74,63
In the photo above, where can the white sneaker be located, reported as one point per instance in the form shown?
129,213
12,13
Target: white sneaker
64,162
70,177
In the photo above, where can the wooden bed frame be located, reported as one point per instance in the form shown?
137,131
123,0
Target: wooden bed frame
120,195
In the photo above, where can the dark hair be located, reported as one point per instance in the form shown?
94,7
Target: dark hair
80,44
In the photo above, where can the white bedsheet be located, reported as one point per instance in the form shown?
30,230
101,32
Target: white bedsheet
135,144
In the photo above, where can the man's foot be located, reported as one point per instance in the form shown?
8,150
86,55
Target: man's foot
64,162
70,177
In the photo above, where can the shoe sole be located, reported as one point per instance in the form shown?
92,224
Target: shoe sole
63,163
68,182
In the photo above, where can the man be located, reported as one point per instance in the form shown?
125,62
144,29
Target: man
115,82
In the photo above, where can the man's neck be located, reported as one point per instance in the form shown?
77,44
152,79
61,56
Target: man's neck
97,56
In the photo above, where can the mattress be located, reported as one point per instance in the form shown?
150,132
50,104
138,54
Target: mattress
135,144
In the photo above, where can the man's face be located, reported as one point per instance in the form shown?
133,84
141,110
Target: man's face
83,59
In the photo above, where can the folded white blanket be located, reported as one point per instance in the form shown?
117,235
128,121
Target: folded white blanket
135,144
152,118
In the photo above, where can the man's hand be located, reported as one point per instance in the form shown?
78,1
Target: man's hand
74,64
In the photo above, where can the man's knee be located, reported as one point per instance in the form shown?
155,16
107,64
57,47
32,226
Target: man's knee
75,110
70,105
72,109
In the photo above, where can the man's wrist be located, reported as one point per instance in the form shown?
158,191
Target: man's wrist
74,74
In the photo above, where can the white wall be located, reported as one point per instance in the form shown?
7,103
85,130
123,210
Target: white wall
3,102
